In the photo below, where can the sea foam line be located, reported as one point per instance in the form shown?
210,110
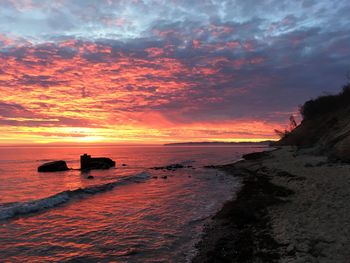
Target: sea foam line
8,211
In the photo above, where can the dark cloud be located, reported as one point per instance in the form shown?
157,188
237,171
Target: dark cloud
190,61
43,81
253,79
13,110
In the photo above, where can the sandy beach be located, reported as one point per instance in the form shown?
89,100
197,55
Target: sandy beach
293,207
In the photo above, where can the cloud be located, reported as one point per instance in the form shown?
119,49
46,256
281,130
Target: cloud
12,110
184,64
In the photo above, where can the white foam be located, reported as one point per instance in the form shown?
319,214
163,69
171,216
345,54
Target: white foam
33,206
22,208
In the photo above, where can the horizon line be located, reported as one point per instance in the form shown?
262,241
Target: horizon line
89,144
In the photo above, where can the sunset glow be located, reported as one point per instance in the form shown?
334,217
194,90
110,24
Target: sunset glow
75,72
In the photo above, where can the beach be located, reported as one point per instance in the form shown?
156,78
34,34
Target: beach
292,208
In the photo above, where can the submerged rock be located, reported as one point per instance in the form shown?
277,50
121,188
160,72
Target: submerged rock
56,166
210,166
171,167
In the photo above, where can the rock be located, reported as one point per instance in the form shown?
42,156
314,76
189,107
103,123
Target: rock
321,164
171,167
342,149
56,166
290,248
177,166
285,174
89,163
254,156
210,167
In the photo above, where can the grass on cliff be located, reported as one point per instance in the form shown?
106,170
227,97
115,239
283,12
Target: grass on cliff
325,104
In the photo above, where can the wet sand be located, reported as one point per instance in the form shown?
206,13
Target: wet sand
293,207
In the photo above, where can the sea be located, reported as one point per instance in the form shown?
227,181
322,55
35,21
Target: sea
130,213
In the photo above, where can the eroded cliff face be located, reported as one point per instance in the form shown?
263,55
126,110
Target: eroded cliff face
328,133
342,148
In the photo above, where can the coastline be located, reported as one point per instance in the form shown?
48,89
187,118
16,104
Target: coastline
291,208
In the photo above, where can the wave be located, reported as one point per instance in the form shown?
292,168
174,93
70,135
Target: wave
14,209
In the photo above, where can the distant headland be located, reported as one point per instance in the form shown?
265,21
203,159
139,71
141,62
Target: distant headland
218,143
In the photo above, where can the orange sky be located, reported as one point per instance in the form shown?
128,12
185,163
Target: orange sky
116,98
161,71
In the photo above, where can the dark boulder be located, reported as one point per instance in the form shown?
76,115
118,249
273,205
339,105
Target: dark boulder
55,166
89,163
100,163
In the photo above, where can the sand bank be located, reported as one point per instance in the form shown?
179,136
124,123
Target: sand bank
293,207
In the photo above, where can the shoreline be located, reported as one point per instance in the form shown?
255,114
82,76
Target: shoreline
241,231
282,212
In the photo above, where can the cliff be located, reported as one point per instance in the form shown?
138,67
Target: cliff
325,126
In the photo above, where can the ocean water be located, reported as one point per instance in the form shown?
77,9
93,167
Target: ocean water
126,214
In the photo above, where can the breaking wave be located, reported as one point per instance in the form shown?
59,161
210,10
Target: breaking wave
11,210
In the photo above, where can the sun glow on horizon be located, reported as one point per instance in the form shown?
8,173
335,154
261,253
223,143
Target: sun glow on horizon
81,136
155,79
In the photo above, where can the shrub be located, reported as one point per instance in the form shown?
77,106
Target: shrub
325,104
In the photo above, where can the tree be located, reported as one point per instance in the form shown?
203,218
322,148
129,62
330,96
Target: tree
292,125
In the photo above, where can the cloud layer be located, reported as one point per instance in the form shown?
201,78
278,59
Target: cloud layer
165,70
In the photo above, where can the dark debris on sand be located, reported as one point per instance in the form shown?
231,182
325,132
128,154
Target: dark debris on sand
241,231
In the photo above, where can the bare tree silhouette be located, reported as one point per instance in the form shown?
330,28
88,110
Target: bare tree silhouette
292,125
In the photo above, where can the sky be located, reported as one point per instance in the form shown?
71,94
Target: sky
155,71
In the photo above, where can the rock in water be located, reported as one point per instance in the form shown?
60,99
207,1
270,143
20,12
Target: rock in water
89,163
55,166
171,167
